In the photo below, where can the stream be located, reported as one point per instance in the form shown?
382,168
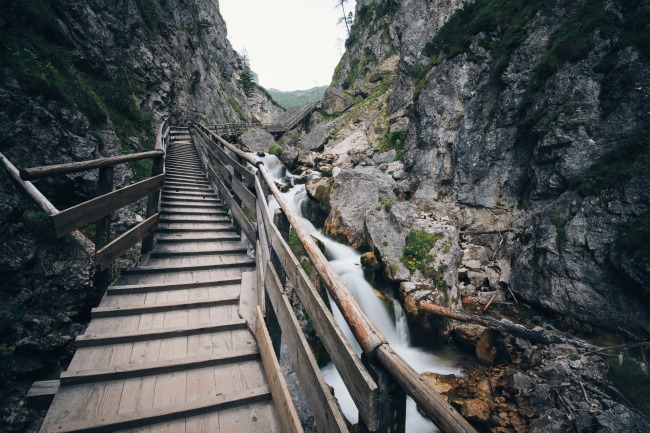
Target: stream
346,261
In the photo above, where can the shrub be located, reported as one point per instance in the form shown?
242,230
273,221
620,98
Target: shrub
630,379
416,252
275,150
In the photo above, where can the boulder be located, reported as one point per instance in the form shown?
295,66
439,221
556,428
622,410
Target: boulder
335,101
365,187
316,138
257,139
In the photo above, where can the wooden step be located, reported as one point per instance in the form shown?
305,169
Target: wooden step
197,196
191,212
128,371
131,310
224,228
161,254
217,219
149,417
91,339
145,270
206,238
170,187
133,289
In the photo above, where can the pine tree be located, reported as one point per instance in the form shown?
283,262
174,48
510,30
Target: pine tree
246,77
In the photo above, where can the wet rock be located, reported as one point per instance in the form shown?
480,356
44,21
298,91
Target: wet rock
467,335
476,411
493,348
319,189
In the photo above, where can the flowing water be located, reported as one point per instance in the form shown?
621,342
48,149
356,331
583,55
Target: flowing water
346,262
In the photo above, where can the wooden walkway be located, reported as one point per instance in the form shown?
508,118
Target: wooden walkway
170,346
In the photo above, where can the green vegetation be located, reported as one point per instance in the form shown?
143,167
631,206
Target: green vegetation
291,138
237,108
368,17
634,236
630,379
295,244
380,89
250,216
387,205
393,140
275,150
296,98
246,79
416,254
614,168
37,48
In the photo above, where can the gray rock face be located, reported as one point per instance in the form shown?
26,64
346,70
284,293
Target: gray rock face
257,139
316,138
478,154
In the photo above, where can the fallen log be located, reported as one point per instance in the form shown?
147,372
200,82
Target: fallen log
503,325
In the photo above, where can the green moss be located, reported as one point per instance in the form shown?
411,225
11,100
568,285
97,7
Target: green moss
295,244
634,237
559,221
416,254
387,205
238,109
614,168
275,150
250,216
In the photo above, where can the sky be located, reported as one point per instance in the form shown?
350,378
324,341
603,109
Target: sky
291,44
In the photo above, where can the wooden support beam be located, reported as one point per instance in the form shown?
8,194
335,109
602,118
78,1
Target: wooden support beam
128,371
87,212
281,397
147,417
88,340
111,252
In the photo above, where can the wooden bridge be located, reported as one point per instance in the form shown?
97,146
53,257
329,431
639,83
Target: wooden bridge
289,121
188,341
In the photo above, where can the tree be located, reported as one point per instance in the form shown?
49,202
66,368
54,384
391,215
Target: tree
346,18
246,77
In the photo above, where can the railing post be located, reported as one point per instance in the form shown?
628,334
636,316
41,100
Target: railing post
392,401
281,222
103,226
153,202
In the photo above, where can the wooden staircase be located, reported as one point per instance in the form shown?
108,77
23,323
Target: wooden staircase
170,346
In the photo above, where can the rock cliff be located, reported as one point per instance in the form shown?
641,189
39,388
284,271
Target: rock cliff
81,79
522,125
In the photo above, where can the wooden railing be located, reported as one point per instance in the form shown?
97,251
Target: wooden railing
380,379
99,209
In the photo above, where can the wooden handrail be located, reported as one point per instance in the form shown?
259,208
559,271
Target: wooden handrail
34,173
371,340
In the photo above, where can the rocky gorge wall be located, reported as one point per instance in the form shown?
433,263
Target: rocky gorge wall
523,129
82,79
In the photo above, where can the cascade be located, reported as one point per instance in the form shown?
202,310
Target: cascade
346,261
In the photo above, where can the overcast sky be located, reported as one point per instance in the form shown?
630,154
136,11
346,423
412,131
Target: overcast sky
291,44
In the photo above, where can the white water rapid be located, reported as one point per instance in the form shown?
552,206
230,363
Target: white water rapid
347,263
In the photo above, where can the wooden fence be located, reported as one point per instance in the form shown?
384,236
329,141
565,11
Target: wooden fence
98,210
380,379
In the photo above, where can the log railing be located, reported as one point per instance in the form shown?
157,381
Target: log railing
99,209
378,381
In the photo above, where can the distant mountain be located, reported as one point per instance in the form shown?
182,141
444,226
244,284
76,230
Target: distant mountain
295,98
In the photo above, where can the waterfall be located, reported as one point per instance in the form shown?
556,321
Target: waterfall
346,261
